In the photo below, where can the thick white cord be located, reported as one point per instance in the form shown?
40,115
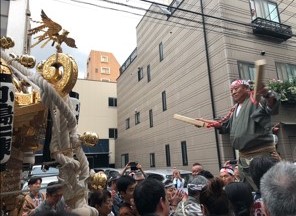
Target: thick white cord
64,136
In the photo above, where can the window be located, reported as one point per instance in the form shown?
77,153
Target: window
265,9
140,73
112,102
105,70
152,159
124,160
127,123
113,133
174,6
148,74
286,72
168,155
164,104
184,153
151,118
246,70
105,80
104,58
137,117
97,70
160,52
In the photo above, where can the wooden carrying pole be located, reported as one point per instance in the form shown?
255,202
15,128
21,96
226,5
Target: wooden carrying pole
259,78
190,120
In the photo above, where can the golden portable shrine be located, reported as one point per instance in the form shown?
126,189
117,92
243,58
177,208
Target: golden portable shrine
37,112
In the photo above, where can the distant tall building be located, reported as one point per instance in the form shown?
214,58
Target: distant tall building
102,66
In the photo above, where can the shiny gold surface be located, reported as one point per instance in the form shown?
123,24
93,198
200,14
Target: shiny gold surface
89,139
6,42
4,67
50,30
98,181
62,80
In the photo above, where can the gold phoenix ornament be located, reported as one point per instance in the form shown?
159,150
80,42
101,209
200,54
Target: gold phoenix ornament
52,32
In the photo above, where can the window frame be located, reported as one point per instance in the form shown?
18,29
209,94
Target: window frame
164,101
140,73
113,133
152,159
168,155
161,54
285,77
137,117
184,153
127,123
148,73
151,118
124,159
104,58
240,65
103,72
112,102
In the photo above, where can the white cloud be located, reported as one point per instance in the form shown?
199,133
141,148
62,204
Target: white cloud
93,28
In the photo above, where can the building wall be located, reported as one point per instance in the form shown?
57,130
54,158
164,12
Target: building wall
183,74
95,113
18,25
95,63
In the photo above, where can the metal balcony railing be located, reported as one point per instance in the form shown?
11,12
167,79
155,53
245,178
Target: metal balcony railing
270,28
129,60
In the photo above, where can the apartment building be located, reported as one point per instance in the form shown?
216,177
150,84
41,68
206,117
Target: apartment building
98,113
187,54
102,66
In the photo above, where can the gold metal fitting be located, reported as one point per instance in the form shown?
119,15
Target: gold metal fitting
4,67
6,42
62,80
89,139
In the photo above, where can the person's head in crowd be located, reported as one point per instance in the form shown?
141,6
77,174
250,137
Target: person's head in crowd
213,198
54,193
259,166
170,189
240,197
240,90
34,184
176,173
150,198
102,201
126,186
207,174
196,169
196,185
227,175
278,189
138,176
112,180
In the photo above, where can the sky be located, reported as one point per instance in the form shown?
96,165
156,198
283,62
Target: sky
92,27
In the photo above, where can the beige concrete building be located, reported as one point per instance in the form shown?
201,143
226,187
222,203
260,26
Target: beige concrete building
98,113
15,22
184,64
102,66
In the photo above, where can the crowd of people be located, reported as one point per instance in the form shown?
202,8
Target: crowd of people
259,183
125,194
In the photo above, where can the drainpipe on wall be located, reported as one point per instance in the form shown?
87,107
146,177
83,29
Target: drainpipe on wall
210,81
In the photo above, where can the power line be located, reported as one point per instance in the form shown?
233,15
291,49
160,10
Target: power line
283,9
273,9
289,18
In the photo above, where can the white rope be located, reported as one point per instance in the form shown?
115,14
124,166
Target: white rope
64,136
